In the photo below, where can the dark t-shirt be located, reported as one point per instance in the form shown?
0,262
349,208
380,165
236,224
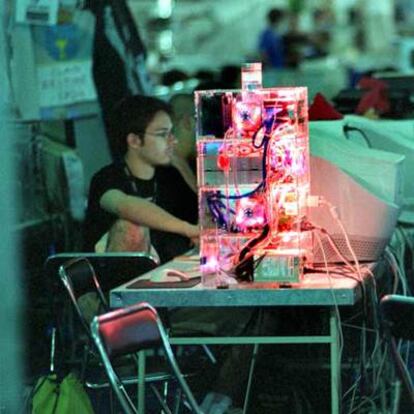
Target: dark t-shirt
167,189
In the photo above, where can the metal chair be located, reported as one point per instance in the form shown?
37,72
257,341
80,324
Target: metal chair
79,277
397,313
113,269
128,331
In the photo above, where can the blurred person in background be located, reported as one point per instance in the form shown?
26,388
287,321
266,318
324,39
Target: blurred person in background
183,117
270,45
173,76
320,37
230,76
295,41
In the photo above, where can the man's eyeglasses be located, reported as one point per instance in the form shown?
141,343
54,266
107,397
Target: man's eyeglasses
163,135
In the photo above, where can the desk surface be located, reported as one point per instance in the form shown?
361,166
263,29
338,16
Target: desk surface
315,290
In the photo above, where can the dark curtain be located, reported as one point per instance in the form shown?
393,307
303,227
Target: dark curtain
118,58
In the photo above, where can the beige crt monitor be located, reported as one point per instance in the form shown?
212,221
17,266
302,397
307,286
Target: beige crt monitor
368,220
392,136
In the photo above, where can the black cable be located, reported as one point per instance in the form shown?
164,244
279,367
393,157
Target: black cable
348,128
245,267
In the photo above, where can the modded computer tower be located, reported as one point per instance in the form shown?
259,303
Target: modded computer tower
254,182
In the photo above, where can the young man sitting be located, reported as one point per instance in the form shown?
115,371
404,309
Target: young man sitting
138,193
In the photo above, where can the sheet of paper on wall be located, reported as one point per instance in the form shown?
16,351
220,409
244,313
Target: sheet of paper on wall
65,83
43,12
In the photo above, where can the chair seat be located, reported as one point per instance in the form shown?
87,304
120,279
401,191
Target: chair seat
157,369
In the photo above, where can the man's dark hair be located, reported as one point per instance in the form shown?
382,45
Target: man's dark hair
133,114
274,16
173,76
230,76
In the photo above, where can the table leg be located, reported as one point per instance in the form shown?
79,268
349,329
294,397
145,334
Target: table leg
249,380
335,362
141,382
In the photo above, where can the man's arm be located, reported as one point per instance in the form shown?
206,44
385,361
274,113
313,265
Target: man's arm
143,212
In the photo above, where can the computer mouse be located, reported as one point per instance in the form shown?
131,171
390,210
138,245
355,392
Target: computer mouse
169,275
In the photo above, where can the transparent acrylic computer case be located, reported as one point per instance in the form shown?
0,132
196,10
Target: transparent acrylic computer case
253,181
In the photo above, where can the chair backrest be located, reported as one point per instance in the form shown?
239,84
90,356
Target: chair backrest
81,276
397,315
129,330
78,277
113,269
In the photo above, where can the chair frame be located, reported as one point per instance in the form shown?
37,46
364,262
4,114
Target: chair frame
66,279
68,284
95,287
394,311
114,379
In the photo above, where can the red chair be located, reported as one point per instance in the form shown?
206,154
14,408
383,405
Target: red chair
127,331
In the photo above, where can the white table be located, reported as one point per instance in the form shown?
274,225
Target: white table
315,290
